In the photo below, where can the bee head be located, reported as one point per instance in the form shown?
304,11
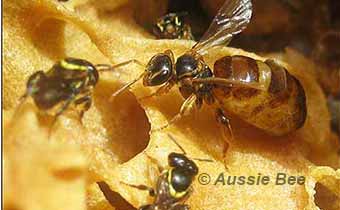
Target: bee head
159,70
178,160
75,67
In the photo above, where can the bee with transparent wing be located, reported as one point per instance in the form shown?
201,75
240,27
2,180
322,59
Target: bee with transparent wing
264,94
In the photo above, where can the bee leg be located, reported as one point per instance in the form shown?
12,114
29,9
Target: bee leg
180,207
65,106
21,101
187,106
141,187
222,119
160,91
59,112
85,102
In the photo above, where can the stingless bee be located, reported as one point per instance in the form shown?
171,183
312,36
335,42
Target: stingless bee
69,82
174,185
172,26
264,94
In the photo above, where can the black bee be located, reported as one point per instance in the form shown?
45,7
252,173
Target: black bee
174,185
69,82
172,26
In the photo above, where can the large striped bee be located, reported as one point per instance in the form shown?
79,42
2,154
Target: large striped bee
262,93
174,185
69,82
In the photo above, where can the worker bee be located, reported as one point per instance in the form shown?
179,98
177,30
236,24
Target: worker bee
69,82
262,93
172,26
174,185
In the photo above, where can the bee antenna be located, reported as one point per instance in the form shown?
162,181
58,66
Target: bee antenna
108,67
203,160
104,67
122,89
179,146
21,100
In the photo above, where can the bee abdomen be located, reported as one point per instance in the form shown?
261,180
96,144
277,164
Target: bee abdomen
278,111
287,91
240,68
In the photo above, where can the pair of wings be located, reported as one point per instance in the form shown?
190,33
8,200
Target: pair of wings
232,18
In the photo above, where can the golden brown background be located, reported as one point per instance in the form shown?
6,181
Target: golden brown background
61,172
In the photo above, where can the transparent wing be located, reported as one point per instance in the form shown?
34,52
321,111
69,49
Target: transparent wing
232,18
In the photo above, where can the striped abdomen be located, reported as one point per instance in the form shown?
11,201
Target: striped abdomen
277,106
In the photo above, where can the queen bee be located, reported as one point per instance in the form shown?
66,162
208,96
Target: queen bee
262,93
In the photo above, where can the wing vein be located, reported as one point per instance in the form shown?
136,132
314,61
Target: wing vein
231,19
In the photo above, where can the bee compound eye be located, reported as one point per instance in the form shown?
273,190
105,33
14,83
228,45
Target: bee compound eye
176,160
192,168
